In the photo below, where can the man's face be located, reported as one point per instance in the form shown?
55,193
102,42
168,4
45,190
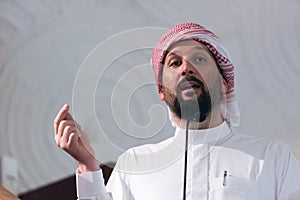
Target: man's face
191,83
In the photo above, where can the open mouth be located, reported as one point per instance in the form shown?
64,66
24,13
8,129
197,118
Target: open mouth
189,85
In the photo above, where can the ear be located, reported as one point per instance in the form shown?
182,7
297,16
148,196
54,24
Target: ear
161,96
224,86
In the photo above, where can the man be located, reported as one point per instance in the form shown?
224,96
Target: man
206,158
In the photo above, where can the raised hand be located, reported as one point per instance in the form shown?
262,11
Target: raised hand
71,138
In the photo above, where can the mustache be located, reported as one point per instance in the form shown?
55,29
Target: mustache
189,79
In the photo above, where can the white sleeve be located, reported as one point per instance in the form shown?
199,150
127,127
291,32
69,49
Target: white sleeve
290,176
90,186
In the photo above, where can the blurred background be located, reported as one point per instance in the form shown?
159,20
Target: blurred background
45,46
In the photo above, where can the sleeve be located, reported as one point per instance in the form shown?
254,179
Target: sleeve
290,176
90,186
118,186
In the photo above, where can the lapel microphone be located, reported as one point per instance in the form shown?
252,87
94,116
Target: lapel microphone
185,158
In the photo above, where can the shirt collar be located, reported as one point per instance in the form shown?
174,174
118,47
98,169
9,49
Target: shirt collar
203,136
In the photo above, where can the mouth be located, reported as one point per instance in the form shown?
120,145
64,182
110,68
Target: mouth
188,85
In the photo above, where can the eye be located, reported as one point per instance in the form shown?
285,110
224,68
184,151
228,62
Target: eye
200,59
175,63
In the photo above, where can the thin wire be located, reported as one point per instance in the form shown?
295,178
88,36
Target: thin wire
185,158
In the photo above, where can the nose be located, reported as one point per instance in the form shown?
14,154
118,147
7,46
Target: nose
187,68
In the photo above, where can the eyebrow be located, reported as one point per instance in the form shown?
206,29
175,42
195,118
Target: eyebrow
194,48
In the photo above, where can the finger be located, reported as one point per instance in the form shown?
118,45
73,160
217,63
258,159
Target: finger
63,142
73,138
62,125
69,116
60,116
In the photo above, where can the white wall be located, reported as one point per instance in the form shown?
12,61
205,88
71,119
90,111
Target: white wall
43,44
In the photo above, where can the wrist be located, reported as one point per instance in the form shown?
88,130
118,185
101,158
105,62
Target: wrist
88,167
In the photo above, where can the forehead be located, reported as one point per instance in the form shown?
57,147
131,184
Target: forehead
187,45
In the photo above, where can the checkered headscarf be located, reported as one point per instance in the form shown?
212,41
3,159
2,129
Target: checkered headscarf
214,44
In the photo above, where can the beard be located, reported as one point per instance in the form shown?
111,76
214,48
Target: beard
195,109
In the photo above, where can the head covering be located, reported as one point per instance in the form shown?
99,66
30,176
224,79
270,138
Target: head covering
214,44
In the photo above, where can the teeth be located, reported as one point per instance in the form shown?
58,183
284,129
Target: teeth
188,86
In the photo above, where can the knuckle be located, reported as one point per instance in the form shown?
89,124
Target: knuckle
68,128
63,123
64,146
58,143
56,121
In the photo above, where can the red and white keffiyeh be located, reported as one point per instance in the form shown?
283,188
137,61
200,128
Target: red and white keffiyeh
214,44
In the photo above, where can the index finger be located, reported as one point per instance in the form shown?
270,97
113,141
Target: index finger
62,114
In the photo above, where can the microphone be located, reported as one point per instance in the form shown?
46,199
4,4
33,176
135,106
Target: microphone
185,158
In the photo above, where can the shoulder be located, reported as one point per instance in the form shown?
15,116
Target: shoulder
260,146
261,140
150,148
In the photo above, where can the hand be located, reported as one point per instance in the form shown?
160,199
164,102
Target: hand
71,138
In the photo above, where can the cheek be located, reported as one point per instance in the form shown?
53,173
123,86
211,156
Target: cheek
211,80
170,78
215,88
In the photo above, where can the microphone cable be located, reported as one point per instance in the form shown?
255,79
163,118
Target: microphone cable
185,158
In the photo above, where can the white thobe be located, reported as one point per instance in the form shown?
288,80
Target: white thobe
221,164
